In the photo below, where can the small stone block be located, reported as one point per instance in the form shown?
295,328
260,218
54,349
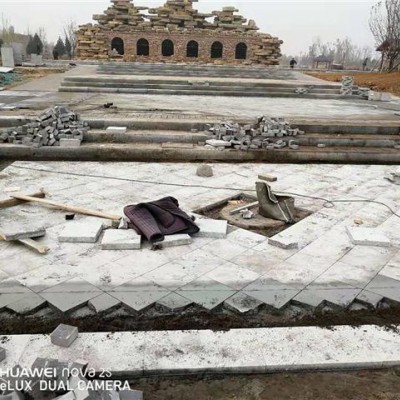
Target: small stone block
64,335
121,239
205,171
267,178
117,129
2,354
218,143
211,228
368,237
81,232
70,142
176,240
283,243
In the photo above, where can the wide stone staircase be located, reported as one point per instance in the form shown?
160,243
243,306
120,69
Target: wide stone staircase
179,140
216,71
201,80
167,86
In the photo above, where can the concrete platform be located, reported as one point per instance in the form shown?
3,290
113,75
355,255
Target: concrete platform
236,351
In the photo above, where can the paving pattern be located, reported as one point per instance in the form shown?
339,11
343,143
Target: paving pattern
240,272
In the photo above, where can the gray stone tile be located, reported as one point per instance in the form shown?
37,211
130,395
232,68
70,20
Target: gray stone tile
174,302
256,261
71,286
388,293
9,298
382,282
263,284
347,274
233,276
363,256
246,238
209,299
368,237
391,271
68,301
224,249
199,262
103,303
211,228
176,240
81,232
370,298
242,303
274,298
12,286
340,297
121,239
29,304
204,283
138,301
171,276
283,242
140,284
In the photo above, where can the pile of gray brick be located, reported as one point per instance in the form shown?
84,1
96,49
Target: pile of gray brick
347,85
267,133
57,126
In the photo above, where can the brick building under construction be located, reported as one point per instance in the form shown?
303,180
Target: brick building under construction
175,32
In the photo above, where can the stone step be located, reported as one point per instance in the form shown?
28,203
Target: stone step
164,136
182,86
209,92
194,83
146,152
143,136
377,141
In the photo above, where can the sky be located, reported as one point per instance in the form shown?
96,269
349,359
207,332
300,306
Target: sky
296,22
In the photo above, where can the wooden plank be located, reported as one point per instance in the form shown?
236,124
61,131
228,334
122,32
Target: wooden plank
248,206
69,208
34,246
15,202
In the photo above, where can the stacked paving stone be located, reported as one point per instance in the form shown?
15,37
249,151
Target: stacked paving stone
177,16
347,85
121,14
56,126
227,19
261,135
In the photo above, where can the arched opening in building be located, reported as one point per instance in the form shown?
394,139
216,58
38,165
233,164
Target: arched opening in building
192,49
142,47
241,51
117,44
167,48
217,50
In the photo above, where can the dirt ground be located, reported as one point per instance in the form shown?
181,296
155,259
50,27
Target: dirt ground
25,74
362,385
376,81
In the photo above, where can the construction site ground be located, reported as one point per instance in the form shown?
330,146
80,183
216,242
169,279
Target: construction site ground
240,281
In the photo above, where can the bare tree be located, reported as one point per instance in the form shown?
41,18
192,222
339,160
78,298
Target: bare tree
385,26
6,30
70,30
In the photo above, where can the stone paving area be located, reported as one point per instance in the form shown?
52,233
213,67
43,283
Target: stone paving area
240,272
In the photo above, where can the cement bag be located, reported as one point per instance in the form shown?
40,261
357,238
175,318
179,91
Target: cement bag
272,206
